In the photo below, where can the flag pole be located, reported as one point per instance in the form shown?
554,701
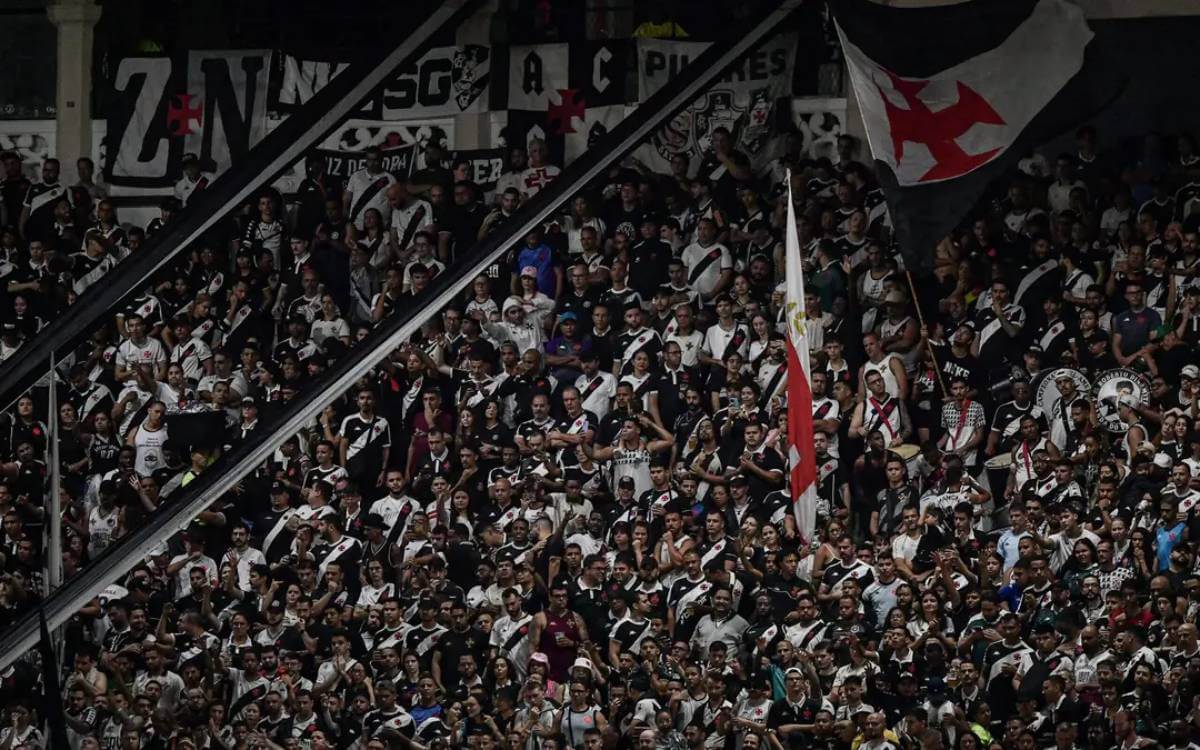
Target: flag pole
928,344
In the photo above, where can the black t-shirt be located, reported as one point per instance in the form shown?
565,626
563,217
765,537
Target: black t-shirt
648,260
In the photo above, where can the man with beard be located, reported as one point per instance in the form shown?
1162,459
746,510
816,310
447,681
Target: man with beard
956,360
999,326
673,382
1055,334
1006,420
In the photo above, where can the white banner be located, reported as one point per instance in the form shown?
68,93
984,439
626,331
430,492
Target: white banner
226,105
536,74
743,101
445,81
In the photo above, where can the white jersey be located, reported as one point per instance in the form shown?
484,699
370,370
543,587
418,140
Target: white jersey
690,345
149,352
368,191
597,392
406,222
705,266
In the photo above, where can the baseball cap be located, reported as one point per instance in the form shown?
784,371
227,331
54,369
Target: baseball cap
568,315
1190,371
529,271
374,521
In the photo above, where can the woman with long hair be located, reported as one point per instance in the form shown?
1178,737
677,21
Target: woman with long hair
26,426
459,511
1084,562
761,336
1141,554
374,239
331,324
490,430
499,675
643,382
408,681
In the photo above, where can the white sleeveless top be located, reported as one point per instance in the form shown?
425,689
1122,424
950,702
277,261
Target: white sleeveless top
883,367
887,329
872,288
149,447
632,463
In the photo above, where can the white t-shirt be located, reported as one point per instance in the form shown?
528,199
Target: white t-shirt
325,329
149,352
183,581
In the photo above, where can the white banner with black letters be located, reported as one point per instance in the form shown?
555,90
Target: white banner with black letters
445,81
536,74
210,103
744,100
232,90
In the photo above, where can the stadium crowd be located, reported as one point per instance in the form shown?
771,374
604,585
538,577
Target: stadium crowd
560,517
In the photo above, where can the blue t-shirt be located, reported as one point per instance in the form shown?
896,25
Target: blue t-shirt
541,258
1135,328
420,713
1167,541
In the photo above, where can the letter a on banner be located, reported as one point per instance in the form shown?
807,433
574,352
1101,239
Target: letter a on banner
532,80
535,75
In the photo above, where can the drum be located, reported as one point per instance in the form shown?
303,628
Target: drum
1002,461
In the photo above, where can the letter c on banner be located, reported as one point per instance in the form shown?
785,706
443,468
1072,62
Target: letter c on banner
600,82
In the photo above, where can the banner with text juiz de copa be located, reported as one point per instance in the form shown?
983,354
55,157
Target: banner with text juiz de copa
744,101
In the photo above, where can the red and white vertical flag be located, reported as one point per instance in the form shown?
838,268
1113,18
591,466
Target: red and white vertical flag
801,457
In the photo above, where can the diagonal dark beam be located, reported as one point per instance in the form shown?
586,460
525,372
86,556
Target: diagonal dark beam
282,147
391,333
